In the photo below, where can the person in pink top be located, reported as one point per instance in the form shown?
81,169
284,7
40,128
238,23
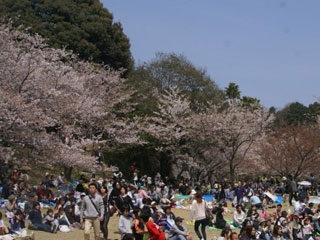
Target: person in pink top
142,193
264,214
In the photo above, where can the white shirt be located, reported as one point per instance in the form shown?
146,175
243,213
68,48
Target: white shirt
298,207
239,217
198,210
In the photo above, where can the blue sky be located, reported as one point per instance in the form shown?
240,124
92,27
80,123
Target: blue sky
270,48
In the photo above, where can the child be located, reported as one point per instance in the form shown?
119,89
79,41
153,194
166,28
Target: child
307,229
124,222
51,221
138,226
3,228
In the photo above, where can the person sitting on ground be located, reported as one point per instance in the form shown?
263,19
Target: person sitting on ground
284,215
220,223
238,217
253,216
261,234
61,179
285,229
169,215
157,216
307,229
225,234
138,226
32,198
153,229
264,214
277,233
59,205
256,201
316,225
248,234
22,196
299,206
62,217
36,220
234,236
125,222
17,222
7,189
296,225
142,193
3,228
41,191
178,231
308,210
276,214
11,205
49,218
71,216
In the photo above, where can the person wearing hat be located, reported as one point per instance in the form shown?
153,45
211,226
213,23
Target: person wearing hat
296,225
260,230
178,231
191,196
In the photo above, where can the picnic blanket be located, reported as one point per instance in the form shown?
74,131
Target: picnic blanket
275,198
205,197
314,199
230,222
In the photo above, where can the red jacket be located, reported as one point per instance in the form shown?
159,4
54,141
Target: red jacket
155,232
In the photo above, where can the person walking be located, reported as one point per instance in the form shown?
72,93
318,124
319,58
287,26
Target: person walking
103,190
292,189
92,212
198,212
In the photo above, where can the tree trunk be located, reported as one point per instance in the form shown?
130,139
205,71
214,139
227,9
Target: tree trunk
67,173
232,177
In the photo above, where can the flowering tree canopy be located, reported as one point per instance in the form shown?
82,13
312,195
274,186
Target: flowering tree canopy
53,103
230,134
292,150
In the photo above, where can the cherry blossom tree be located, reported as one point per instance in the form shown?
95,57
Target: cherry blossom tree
292,150
231,134
168,124
47,95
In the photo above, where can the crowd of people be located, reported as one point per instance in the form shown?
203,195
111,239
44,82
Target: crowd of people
143,207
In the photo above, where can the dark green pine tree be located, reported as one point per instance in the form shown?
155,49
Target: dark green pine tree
83,26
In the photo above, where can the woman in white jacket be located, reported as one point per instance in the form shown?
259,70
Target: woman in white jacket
198,212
